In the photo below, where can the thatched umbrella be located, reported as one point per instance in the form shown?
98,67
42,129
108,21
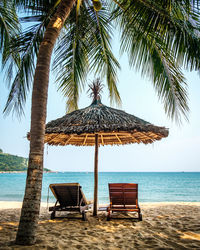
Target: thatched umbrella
100,125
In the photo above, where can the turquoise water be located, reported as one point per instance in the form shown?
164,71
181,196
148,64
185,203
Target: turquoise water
153,187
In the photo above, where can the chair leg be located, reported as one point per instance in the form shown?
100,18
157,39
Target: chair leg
108,216
84,217
140,216
53,215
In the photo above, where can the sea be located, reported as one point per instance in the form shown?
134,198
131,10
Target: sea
153,186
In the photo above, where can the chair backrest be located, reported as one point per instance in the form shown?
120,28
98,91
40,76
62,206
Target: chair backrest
68,194
123,193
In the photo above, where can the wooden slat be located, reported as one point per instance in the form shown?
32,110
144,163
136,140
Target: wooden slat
118,139
70,137
102,141
85,139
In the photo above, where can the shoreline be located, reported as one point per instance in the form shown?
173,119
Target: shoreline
18,204
20,172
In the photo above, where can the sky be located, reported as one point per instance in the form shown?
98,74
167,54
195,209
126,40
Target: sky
178,152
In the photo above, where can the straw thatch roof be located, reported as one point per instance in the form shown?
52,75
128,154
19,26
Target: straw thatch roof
115,127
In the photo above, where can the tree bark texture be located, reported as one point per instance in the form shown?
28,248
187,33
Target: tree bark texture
95,176
26,234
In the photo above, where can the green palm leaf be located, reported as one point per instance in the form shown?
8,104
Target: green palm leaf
25,48
85,48
102,59
71,59
143,28
9,26
159,36
176,21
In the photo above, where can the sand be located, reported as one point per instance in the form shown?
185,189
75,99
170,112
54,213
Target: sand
165,226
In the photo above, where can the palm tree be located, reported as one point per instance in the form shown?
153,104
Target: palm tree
159,36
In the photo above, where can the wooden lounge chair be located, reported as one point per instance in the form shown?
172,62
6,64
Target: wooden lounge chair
70,198
123,198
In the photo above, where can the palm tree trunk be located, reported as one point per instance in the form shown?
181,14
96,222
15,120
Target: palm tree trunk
32,198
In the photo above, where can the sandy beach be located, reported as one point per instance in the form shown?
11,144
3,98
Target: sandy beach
170,225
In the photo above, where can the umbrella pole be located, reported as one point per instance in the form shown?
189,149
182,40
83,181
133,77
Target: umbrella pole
95,175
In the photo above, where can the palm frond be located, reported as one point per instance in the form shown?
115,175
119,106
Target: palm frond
36,7
152,58
170,84
142,24
176,21
9,25
83,49
20,60
102,59
71,59
186,42
85,46
20,74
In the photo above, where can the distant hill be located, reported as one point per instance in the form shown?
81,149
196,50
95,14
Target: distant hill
10,162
